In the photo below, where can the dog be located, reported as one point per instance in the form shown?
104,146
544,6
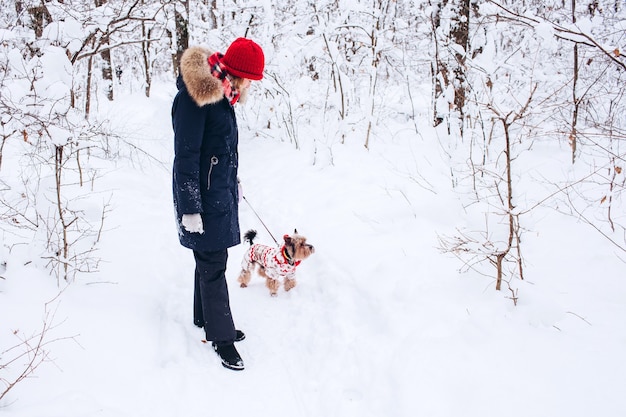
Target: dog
274,264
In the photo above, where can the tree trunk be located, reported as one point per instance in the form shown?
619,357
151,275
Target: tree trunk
438,67
459,32
209,12
182,32
213,14
19,8
107,68
145,50
448,67
573,140
88,88
39,18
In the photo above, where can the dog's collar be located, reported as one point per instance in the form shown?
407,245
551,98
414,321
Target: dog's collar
288,258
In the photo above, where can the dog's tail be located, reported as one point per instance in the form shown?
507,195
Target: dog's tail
249,236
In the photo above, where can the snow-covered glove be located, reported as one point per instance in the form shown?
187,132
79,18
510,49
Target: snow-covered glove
193,223
239,191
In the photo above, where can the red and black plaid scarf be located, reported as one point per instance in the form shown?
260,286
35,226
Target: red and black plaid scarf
218,70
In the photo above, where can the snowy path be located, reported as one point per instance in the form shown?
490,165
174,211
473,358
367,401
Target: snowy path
380,324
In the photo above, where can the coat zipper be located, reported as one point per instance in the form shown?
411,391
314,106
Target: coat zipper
214,161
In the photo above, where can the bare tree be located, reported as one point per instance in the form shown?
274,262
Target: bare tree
480,247
513,239
591,102
575,99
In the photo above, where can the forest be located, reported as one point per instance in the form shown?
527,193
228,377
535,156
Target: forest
504,83
504,78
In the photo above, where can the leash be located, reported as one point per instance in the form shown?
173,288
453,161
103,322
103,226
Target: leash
261,220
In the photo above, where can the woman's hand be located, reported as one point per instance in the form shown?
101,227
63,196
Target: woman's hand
193,223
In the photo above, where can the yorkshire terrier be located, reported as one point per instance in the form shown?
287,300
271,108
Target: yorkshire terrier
274,264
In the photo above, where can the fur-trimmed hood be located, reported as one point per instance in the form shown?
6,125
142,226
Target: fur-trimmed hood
201,85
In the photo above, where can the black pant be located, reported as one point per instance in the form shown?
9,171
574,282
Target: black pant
211,304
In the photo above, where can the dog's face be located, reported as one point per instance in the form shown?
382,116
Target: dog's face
297,247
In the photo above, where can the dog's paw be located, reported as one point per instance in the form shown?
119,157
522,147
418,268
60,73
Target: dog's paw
243,285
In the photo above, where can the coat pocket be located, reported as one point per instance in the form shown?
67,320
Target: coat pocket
217,197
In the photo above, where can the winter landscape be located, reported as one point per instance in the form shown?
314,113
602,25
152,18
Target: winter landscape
396,313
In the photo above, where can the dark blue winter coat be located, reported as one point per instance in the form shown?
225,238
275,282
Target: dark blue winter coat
205,161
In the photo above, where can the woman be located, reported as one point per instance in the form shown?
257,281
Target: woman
205,177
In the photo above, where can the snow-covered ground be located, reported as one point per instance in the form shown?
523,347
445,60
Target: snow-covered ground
380,324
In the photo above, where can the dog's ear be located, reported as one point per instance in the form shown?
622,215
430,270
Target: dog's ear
295,231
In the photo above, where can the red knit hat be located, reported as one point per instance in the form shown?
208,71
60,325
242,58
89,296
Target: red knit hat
244,59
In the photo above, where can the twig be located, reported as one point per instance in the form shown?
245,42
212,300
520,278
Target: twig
582,318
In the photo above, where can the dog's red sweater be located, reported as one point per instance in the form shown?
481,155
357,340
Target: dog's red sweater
273,260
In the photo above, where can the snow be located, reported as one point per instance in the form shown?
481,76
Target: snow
380,324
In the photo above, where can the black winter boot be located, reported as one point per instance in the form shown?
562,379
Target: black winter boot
229,356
